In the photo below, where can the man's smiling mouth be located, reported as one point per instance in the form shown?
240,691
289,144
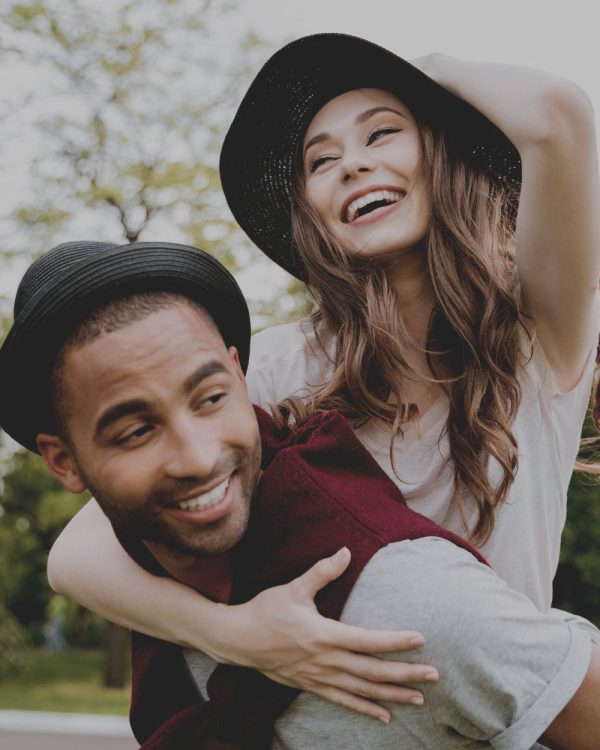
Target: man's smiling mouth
206,499
369,202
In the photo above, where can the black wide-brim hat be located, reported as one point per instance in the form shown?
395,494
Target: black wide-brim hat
61,288
258,152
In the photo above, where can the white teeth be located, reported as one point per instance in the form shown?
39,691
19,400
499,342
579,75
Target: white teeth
376,195
208,498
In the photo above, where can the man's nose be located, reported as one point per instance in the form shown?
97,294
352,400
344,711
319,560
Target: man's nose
193,450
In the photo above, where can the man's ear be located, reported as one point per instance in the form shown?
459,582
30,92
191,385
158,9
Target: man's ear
60,463
233,353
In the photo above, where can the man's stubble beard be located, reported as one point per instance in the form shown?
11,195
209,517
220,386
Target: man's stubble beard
144,522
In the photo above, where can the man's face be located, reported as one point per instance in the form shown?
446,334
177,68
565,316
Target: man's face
162,431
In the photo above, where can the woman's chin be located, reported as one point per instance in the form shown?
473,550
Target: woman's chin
390,255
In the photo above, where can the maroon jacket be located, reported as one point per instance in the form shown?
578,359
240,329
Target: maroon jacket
320,490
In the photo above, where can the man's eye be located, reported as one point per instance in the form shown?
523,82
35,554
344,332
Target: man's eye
134,435
379,133
206,402
319,162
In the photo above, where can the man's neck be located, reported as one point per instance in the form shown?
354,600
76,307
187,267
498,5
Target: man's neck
210,576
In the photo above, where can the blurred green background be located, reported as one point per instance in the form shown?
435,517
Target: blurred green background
113,118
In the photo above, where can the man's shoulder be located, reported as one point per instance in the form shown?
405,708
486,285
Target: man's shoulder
506,669
420,573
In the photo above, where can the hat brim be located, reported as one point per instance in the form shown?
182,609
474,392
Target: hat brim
257,158
103,273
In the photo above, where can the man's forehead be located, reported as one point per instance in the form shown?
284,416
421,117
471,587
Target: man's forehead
174,339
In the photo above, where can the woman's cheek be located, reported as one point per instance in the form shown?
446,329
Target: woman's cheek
316,197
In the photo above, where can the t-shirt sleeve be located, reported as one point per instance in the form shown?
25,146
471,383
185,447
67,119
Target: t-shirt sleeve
261,389
259,376
562,413
575,400
506,669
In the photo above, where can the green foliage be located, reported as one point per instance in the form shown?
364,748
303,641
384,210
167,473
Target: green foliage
577,583
34,509
13,642
133,129
83,629
5,321
296,303
136,102
21,15
48,216
127,113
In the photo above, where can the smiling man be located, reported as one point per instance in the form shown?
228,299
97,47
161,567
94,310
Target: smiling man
124,369
159,428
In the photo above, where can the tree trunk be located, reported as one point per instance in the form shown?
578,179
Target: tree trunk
116,666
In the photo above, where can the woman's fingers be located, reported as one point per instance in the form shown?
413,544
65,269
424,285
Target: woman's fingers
361,640
355,703
373,670
332,659
380,691
366,676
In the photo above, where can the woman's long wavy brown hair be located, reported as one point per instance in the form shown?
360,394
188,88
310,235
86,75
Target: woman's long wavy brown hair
476,334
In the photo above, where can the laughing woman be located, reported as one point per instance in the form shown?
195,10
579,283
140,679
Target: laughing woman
445,218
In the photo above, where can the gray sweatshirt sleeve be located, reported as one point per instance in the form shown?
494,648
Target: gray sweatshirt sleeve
506,670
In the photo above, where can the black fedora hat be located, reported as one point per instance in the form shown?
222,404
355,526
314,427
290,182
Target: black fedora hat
66,284
257,157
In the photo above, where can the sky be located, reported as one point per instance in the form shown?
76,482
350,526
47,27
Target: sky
561,37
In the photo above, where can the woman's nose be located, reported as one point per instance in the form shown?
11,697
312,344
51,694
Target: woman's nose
354,165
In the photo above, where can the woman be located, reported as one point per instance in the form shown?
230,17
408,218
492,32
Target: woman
456,321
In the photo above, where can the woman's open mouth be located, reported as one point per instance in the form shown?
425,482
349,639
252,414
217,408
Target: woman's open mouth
372,205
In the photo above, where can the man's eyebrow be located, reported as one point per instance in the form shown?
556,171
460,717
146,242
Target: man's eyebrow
138,405
362,117
123,409
203,372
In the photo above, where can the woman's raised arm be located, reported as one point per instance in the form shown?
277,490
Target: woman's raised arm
279,632
550,121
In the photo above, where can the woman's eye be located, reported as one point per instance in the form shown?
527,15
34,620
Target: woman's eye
319,161
379,133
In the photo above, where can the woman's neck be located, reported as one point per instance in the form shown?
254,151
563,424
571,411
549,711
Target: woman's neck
408,276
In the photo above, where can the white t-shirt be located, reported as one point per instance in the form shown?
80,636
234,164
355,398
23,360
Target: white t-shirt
525,544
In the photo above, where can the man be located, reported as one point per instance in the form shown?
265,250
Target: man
124,369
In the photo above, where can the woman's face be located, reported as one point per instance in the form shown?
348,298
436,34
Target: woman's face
361,169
